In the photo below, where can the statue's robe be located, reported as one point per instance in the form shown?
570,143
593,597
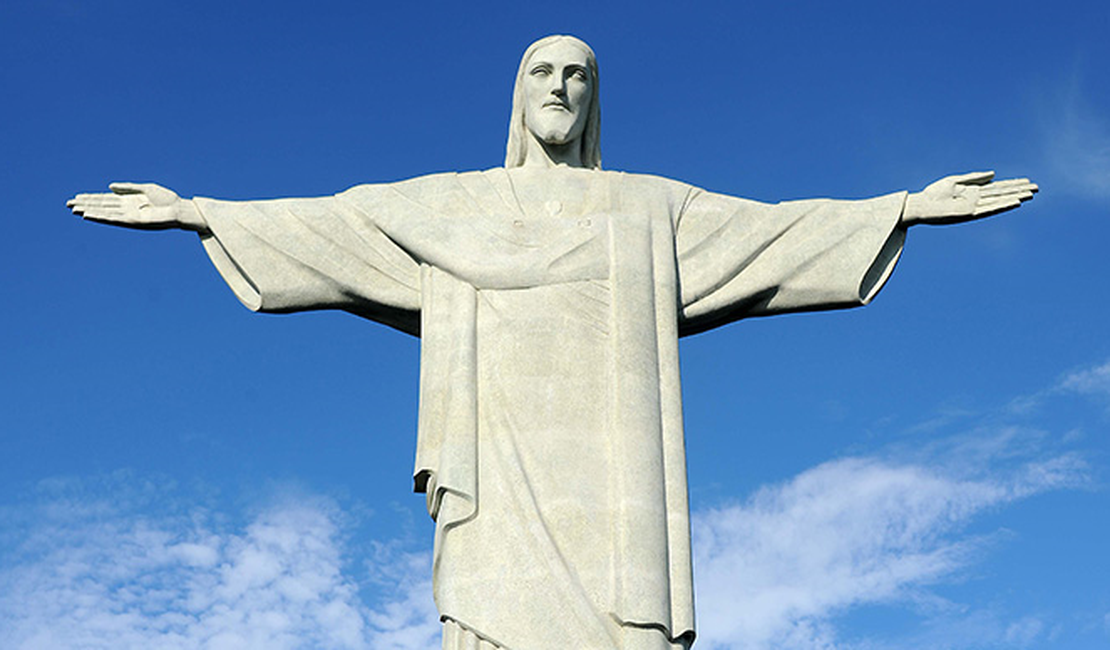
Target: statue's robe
550,441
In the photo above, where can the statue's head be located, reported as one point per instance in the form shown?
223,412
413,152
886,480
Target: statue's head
555,100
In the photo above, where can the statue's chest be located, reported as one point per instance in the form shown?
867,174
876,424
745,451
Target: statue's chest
537,212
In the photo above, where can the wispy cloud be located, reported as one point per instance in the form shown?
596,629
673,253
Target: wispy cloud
777,569
123,567
1093,382
773,571
959,630
130,563
407,619
1078,141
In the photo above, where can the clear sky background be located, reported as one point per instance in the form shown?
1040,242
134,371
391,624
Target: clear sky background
927,472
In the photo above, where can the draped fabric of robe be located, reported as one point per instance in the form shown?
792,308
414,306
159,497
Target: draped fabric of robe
550,442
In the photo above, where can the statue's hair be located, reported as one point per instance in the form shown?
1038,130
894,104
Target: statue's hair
591,134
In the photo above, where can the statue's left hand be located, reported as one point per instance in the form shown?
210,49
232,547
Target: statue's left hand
964,198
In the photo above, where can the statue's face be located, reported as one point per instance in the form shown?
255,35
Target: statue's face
557,93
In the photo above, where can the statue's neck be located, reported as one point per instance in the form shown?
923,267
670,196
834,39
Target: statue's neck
546,154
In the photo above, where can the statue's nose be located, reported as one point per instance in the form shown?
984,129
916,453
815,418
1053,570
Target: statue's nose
558,85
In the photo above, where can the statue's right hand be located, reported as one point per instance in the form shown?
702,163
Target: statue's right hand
146,206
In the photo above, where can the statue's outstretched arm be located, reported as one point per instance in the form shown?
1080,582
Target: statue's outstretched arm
965,197
146,206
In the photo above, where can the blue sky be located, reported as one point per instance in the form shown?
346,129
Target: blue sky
930,471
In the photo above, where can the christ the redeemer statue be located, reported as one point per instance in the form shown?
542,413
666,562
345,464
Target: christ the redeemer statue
549,297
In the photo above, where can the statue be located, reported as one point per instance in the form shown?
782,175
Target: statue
549,297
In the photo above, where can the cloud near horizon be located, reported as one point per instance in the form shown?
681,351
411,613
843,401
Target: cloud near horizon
130,563
98,564
771,572
776,570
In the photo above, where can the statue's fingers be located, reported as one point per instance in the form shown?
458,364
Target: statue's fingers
974,178
1011,184
104,212
1000,187
1018,195
105,215
83,198
1025,191
109,220
128,188
994,206
96,200
85,202
1008,191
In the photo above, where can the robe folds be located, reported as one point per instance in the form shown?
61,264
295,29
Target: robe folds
550,444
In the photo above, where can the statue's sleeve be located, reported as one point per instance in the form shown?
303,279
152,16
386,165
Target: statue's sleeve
739,258
290,255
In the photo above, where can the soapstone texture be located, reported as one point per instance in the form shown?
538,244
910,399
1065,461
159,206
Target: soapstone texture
549,296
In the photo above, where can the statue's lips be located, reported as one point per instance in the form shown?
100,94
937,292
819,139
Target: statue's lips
558,105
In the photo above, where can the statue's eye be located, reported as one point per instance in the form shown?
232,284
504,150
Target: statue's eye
580,75
540,71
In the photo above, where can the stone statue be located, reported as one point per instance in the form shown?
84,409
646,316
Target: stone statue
549,296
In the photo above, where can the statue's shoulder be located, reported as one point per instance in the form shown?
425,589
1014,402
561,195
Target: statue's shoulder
655,183
453,193
428,182
649,189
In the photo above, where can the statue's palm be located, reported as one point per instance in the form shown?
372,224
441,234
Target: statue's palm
965,197
135,205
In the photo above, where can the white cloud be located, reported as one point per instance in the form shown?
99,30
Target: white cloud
122,564
120,567
775,570
408,620
1020,634
960,630
1091,381
1078,142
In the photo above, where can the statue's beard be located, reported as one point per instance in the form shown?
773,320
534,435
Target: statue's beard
558,131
